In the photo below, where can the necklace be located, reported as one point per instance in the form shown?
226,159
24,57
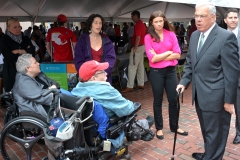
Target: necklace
94,39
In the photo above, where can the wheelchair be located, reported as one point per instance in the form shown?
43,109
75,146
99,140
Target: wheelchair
84,141
21,130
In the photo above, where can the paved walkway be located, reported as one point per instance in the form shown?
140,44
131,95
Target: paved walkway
156,149
186,145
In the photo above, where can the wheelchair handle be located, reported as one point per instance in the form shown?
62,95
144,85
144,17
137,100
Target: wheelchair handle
81,100
51,90
6,94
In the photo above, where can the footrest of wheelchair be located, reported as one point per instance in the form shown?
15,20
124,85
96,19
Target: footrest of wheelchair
95,149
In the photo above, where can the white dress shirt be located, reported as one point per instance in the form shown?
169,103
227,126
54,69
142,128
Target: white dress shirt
235,31
206,34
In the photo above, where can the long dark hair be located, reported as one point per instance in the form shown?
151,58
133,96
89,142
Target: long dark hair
90,21
166,25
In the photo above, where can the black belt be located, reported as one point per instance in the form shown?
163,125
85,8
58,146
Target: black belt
163,68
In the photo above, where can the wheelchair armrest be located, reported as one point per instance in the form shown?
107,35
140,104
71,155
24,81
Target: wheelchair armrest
115,118
137,107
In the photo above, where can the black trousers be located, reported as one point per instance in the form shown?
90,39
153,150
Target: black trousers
237,112
164,78
215,128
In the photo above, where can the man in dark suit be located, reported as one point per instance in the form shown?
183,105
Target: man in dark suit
213,67
231,19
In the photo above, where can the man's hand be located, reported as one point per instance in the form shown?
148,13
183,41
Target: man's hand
23,51
180,86
134,50
229,108
19,51
53,86
16,51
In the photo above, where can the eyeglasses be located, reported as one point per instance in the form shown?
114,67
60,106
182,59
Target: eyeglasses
101,72
202,16
12,19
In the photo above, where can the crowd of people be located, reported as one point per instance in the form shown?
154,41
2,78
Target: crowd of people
212,65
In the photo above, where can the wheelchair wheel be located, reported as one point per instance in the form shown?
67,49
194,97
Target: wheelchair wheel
20,134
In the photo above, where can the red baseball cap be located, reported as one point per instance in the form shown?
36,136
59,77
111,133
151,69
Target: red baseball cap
61,18
89,68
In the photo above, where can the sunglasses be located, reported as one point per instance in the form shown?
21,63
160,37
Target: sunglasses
100,73
11,19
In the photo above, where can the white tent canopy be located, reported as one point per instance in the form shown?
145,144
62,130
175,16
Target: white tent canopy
220,3
111,10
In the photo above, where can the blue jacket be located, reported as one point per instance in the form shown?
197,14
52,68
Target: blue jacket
102,92
100,117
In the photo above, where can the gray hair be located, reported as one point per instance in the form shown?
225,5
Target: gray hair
211,7
23,62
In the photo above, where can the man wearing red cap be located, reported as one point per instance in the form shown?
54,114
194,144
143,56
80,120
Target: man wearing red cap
61,40
93,83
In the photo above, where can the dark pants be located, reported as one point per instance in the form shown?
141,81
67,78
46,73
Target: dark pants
237,112
215,128
9,74
117,40
165,78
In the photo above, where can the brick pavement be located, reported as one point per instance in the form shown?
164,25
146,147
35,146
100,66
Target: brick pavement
186,145
155,149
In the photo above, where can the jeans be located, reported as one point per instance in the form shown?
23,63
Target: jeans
164,78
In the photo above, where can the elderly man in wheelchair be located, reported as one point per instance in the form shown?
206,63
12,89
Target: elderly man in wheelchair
83,135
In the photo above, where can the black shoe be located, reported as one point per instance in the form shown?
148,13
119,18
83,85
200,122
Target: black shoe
159,136
45,158
198,156
148,136
150,120
184,133
133,137
236,140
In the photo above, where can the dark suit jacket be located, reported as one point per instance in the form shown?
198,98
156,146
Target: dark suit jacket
238,38
215,72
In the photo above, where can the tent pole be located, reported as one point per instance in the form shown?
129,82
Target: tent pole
167,3
139,8
117,13
20,7
37,10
